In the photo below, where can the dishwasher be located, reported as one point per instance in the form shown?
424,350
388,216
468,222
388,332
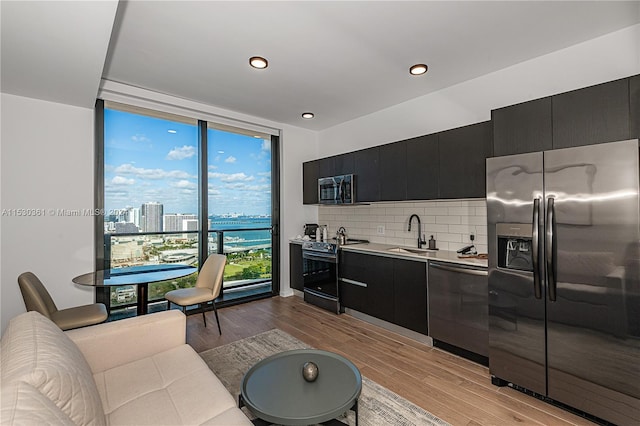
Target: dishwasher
458,309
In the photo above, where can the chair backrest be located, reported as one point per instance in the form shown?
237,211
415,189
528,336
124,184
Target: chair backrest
35,295
210,275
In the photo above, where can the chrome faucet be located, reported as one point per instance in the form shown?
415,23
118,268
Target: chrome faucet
421,241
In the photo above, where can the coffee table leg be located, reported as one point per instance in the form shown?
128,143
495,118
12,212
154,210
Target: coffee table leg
355,410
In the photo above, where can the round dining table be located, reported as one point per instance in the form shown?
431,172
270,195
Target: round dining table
140,276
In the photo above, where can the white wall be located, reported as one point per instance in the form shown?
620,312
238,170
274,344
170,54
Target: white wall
615,55
298,145
47,163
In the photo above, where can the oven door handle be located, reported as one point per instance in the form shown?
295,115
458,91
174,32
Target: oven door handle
319,257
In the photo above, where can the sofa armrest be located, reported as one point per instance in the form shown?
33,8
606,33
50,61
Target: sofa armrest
111,344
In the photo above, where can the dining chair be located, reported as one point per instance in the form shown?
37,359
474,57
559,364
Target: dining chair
207,288
37,298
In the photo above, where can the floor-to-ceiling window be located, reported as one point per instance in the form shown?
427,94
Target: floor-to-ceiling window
175,189
240,206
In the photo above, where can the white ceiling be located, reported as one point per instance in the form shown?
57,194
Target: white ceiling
340,60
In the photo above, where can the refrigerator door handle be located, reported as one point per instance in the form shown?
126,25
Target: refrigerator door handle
535,241
552,272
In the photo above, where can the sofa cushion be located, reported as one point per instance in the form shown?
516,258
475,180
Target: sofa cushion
172,387
36,351
22,404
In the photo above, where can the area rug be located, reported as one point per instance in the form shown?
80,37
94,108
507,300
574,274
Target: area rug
378,406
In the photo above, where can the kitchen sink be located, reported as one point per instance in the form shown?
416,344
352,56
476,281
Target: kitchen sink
422,252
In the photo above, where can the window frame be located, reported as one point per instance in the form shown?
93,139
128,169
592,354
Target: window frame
102,295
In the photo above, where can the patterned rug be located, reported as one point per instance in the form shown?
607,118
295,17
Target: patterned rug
378,406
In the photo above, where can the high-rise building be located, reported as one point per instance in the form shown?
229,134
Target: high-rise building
151,217
176,222
190,224
125,228
129,215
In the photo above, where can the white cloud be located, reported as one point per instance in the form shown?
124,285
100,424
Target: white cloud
187,151
212,167
230,159
266,145
140,138
185,184
234,177
119,180
128,169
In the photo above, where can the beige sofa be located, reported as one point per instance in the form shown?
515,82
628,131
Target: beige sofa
130,372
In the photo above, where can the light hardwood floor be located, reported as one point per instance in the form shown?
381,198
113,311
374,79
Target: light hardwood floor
452,388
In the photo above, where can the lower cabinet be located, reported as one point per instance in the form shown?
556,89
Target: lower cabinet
295,266
410,294
393,290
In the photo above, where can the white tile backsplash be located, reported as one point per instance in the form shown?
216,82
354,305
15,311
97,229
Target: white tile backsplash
450,222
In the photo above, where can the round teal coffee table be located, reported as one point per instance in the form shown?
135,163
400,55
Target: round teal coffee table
275,391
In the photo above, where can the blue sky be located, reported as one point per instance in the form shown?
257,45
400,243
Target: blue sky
151,159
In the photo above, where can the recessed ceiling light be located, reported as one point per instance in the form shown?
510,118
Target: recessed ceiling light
172,131
258,62
418,69
307,115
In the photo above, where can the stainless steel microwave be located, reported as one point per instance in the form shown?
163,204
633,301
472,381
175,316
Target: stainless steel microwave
336,190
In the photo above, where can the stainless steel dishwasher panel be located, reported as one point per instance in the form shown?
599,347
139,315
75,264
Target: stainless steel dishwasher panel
458,306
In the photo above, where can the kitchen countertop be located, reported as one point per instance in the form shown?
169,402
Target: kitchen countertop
424,255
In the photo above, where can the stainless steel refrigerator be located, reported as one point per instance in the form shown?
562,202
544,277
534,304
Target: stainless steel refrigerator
564,276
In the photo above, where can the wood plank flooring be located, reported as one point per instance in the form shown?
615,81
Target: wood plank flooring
452,388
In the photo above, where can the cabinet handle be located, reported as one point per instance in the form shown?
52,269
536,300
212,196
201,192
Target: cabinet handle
354,282
458,269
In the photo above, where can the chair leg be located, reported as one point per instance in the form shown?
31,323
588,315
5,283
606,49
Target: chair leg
168,305
217,319
204,318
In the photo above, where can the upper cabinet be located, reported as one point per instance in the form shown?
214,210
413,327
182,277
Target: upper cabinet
634,106
423,168
595,114
310,175
522,128
343,164
393,172
366,166
463,153
451,164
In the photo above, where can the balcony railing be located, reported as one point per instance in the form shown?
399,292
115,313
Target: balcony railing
248,252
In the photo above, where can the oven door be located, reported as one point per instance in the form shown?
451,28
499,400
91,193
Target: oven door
319,272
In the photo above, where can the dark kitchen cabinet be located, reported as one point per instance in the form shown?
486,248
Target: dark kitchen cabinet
634,106
366,168
366,284
393,172
522,128
394,290
310,175
462,154
592,115
295,266
423,168
327,167
410,294
343,164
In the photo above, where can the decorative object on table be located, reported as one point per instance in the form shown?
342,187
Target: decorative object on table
378,406
310,371
37,298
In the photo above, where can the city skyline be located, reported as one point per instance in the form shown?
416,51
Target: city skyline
151,159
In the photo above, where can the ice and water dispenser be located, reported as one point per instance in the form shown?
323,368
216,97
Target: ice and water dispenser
514,246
